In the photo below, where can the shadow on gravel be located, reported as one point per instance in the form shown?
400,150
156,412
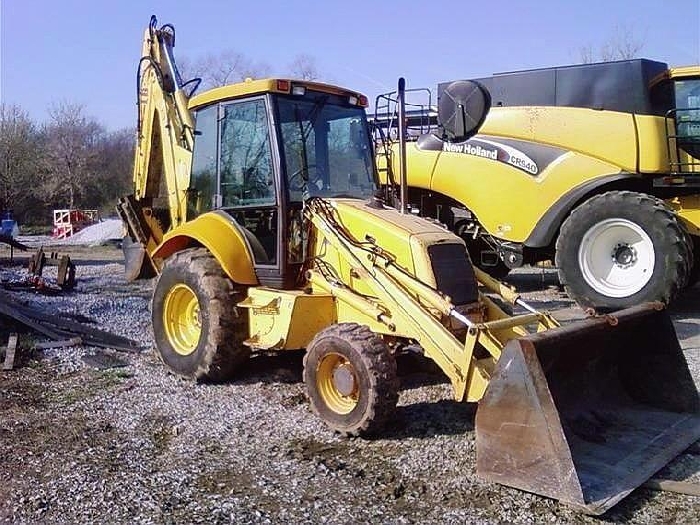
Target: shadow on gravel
414,370
281,367
630,507
688,303
426,420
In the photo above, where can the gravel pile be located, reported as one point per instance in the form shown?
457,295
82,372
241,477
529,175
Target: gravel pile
99,233
134,444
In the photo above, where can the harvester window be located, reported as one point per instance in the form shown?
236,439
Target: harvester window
688,110
246,171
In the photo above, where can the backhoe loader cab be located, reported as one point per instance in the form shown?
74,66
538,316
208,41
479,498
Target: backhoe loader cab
255,203
266,146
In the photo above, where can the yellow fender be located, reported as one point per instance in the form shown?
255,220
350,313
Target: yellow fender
219,233
688,208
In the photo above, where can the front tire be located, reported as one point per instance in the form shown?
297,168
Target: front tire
199,332
351,379
622,248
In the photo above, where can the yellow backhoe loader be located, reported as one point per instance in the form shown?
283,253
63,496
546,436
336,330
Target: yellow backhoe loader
595,167
271,237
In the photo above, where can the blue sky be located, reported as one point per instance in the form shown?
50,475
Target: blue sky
86,51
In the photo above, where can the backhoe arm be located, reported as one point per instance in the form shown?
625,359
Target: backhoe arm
163,154
165,125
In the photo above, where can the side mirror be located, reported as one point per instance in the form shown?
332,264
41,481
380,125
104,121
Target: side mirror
462,109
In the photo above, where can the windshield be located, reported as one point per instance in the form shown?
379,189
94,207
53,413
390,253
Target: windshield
326,149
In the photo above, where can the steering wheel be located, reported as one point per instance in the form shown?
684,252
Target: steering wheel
298,182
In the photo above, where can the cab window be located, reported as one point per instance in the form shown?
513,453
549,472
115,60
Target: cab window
688,109
246,168
203,181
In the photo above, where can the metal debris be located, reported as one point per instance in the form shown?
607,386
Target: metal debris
10,353
60,328
65,276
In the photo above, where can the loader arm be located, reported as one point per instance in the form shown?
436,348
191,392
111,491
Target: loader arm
163,153
405,308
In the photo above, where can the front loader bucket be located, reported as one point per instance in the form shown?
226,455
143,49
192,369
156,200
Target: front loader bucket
587,412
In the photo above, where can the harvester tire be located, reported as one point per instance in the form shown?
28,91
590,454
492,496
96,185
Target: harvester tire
622,248
351,379
199,332
695,271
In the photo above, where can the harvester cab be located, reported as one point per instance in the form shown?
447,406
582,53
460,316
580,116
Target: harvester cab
682,85
273,238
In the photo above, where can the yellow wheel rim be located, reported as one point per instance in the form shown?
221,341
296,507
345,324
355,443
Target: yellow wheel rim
337,383
181,319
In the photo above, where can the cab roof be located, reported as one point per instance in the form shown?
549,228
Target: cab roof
269,85
684,72
677,73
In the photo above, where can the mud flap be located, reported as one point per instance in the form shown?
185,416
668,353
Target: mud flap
137,265
587,412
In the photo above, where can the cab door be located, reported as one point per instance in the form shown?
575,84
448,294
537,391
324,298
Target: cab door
236,169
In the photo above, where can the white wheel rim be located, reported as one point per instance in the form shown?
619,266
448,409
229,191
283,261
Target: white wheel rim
616,258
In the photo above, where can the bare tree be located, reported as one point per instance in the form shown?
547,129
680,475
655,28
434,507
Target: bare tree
230,66
623,44
72,153
304,68
20,160
587,54
227,67
115,159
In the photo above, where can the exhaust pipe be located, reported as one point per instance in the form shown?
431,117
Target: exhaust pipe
403,187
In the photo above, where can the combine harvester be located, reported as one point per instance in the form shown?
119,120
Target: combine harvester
595,167
270,235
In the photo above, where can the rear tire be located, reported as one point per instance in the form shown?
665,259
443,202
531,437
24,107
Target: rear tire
351,379
623,248
199,331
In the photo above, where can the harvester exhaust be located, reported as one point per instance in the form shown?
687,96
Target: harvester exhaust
588,412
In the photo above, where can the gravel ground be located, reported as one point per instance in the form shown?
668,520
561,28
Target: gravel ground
84,442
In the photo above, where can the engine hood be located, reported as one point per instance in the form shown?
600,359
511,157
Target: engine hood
422,247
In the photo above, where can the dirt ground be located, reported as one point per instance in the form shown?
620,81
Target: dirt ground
89,435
